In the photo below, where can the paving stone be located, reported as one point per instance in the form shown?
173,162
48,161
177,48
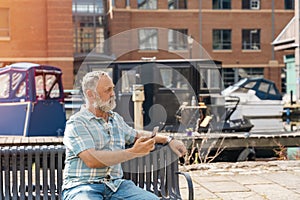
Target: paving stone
224,186
285,179
240,195
199,193
250,179
208,178
274,191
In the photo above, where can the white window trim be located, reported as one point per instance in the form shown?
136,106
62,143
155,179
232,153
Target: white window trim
255,4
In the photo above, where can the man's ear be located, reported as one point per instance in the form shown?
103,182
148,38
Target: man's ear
90,94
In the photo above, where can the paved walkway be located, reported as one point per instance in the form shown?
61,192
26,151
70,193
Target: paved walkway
274,180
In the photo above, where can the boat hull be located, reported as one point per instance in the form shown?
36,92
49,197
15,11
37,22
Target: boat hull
258,110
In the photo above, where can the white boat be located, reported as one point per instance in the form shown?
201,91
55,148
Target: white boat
259,98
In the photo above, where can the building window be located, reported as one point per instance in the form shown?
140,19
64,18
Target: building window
233,75
147,4
221,4
177,4
221,39
289,4
251,4
148,39
4,23
177,39
251,39
88,20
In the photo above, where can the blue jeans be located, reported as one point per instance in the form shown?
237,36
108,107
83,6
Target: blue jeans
98,191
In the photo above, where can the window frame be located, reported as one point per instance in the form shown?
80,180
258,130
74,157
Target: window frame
254,4
289,4
179,39
147,4
221,43
5,36
177,4
251,4
221,4
154,46
254,42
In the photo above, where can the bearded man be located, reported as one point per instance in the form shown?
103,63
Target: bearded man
95,139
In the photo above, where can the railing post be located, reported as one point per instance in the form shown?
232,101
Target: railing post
138,98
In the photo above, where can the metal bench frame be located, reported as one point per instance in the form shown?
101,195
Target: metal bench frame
36,172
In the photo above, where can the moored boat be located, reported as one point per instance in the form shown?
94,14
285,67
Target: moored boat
259,98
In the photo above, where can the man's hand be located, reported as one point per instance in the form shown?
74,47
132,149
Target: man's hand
142,146
178,147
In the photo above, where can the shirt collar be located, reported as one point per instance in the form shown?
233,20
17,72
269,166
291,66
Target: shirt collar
89,115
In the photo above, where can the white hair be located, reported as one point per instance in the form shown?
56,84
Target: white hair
90,81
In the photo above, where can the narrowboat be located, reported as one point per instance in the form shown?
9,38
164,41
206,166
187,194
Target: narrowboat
31,100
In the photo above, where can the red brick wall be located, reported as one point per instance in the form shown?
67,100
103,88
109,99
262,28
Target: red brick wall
235,19
40,32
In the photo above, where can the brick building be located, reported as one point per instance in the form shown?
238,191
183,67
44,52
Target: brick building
38,32
237,32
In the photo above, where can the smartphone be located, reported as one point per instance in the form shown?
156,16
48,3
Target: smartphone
155,130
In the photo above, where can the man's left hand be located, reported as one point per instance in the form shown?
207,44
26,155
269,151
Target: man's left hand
178,147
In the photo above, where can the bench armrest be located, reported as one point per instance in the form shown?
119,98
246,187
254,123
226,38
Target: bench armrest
190,184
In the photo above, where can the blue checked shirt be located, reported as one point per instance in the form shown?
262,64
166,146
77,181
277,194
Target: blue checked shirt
84,131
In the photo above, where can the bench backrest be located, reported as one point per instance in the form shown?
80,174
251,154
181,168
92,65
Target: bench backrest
35,172
31,172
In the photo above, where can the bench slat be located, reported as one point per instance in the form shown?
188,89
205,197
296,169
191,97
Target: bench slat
60,161
1,176
44,168
52,172
7,172
37,172
22,172
29,188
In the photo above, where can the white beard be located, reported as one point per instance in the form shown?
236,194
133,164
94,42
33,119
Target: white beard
105,106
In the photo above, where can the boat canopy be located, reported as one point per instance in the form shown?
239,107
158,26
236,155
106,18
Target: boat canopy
264,89
22,82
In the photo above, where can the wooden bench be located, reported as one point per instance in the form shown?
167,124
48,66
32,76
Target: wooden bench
36,172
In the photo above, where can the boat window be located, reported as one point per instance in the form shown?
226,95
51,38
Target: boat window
128,79
15,80
47,86
242,90
272,90
18,84
21,92
209,79
4,82
166,75
213,80
250,85
175,78
39,87
52,86
263,87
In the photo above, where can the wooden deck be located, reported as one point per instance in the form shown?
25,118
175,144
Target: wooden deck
25,141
